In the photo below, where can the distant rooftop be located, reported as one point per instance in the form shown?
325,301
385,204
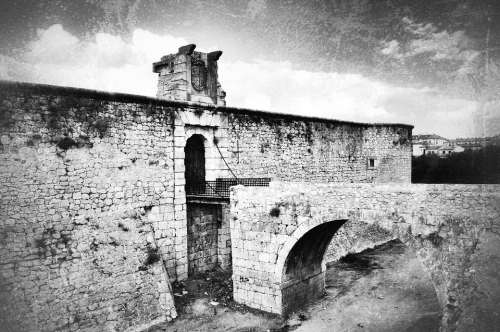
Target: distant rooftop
428,136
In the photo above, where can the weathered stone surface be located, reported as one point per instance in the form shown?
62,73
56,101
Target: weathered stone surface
452,228
289,149
203,222
85,225
189,75
92,184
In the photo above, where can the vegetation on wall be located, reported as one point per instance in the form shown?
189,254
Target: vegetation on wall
467,167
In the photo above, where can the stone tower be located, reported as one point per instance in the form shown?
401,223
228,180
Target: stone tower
190,76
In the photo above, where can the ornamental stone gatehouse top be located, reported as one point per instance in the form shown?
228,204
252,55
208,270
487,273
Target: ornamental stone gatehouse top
190,76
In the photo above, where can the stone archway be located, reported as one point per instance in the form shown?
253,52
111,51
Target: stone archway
304,275
194,163
453,242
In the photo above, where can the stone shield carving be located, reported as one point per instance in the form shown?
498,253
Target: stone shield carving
198,74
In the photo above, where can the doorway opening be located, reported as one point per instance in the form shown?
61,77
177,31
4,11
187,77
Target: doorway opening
194,163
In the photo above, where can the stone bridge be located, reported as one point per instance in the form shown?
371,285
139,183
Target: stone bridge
280,235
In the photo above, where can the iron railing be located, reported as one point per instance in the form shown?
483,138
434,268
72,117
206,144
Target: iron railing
220,187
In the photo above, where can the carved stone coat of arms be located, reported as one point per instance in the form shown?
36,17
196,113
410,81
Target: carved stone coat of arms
198,74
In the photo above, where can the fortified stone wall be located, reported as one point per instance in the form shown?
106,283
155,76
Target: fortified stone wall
291,149
453,229
92,193
86,210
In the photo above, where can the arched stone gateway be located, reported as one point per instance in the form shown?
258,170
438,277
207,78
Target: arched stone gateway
280,234
194,162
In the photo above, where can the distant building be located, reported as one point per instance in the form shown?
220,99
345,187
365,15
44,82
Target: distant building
431,139
434,144
472,143
477,143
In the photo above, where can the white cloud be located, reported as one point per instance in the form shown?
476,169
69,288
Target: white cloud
419,29
105,63
443,45
108,62
440,45
277,86
391,48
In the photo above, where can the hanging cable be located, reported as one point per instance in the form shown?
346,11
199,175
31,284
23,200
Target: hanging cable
215,190
229,168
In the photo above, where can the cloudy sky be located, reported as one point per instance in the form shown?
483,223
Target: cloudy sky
433,64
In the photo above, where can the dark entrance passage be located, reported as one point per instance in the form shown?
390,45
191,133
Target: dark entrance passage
194,162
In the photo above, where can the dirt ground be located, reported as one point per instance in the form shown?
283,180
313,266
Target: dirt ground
381,289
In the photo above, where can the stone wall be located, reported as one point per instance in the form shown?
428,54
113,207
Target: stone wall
173,77
203,222
316,150
209,241
294,148
454,230
86,210
224,239
79,165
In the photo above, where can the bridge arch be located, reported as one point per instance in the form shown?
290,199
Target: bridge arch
301,268
296,236
300,265
453,241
